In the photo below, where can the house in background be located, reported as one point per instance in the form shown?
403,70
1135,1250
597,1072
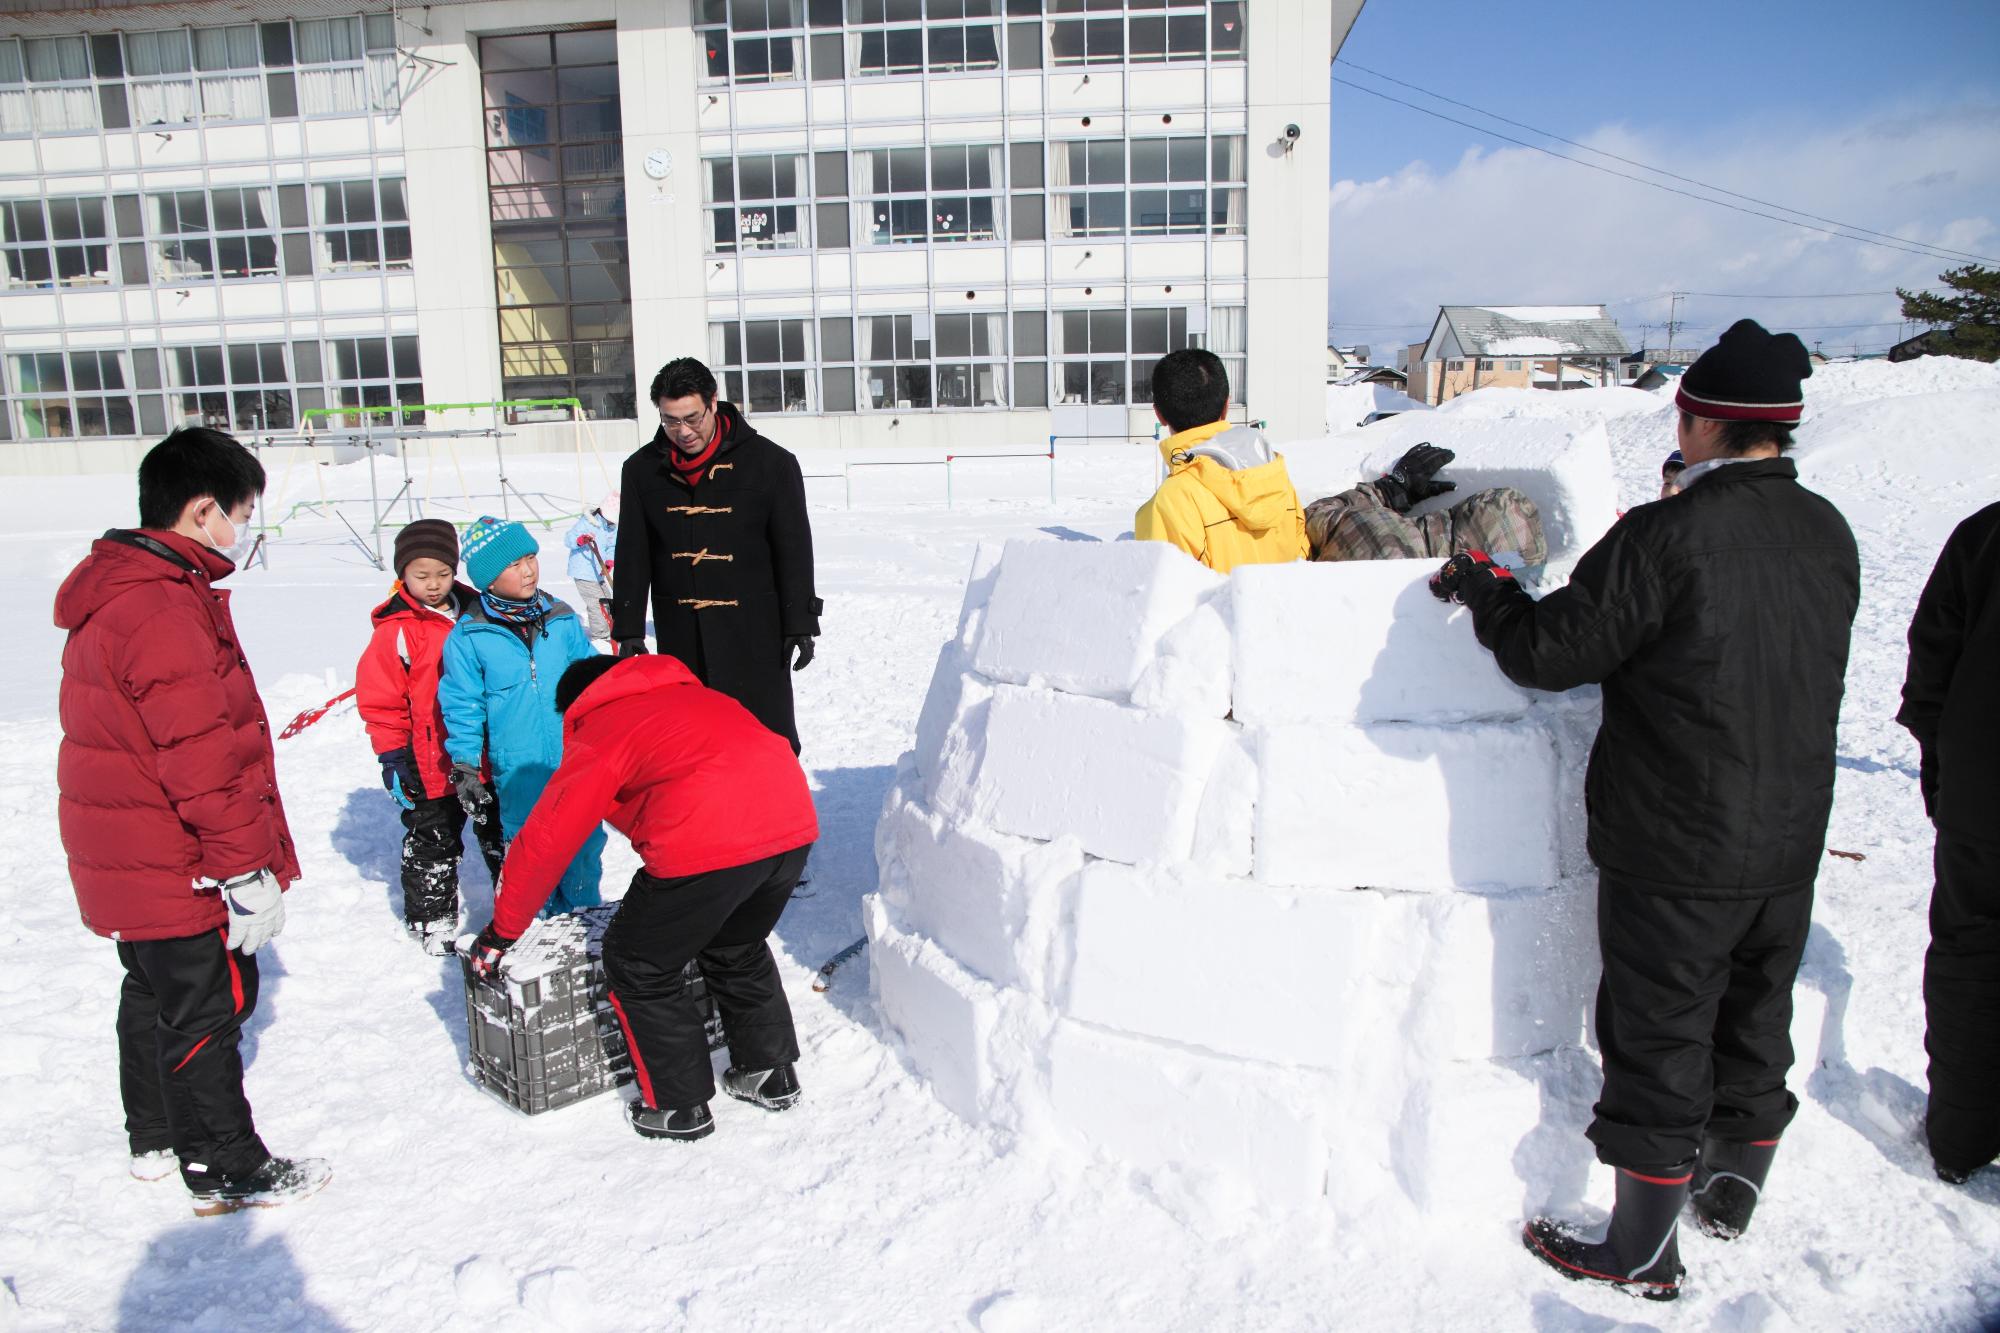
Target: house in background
1543,347
1931,342
1650,367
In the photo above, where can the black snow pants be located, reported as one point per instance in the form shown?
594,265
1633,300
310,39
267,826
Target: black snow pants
723,918
180,1017
1694,1016
1962,1004
433,840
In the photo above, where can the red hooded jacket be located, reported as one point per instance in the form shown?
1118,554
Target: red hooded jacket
684,771
166,774
396,683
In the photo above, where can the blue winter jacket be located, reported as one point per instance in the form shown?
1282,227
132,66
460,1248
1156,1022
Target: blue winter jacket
599,529
498,697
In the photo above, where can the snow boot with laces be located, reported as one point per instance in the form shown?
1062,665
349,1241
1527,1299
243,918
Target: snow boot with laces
279,1180
773,1089
1640,1251
682,1126
1728,1181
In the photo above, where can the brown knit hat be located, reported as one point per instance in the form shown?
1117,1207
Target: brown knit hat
431,537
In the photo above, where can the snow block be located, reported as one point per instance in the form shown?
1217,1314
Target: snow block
1226,821
951,733
1359,641
979,582
1563,466
1455,1135
1321,979
1399,806
1124,783
1086,617
1167,1108
994,903
1573,719
1191,674
945,1016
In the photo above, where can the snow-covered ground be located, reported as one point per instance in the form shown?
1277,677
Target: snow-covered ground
870,1206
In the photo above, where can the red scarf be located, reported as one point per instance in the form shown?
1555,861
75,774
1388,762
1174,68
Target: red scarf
693,468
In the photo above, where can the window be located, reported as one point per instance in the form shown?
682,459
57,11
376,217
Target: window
763,202
759,51
67,395
1156,38
1226,199
971,360
1225,29
1169,179
953,46
1155,332
1513,365
1225,336
836,352
242,388
359,372
222,233
1485,363
1090,351
63,240
896,352
965,181
948,193
763,364
1031,345
232,86
161,70
1090,179
347,66
362,225
45,86
1086,41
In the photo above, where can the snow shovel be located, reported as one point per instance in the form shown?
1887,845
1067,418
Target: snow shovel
312,715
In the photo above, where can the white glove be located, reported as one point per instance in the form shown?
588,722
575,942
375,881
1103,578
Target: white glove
256,910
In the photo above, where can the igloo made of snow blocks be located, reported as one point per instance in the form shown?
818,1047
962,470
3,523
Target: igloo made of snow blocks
1271,881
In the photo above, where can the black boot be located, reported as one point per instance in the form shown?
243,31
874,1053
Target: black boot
773,1089
279,1180
1641,1246
682,1126
1728,1181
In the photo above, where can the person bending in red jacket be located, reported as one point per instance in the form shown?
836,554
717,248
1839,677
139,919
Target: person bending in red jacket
717,808
169,811
396,689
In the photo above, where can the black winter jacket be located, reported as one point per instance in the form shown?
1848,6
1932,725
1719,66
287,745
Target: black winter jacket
1717,621
1951,696
728,563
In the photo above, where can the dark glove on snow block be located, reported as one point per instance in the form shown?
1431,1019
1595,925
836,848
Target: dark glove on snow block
484,956
1413,479
631,648
472,793
1466,575
802,645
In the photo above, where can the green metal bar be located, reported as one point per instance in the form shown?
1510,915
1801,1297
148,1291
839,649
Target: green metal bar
437,407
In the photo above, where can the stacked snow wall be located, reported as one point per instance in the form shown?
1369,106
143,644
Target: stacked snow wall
1272,878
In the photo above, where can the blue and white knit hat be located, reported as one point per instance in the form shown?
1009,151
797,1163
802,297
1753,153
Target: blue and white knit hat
489,545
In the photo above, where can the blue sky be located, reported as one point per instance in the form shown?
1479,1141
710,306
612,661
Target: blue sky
1887,116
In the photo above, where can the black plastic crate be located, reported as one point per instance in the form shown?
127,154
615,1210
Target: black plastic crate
541,1032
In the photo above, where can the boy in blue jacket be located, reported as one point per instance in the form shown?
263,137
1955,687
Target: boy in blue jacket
497,693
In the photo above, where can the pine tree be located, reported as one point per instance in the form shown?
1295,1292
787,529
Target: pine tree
1972,316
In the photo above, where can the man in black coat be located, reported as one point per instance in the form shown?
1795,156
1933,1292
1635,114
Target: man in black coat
1717,622
1951,704
715,527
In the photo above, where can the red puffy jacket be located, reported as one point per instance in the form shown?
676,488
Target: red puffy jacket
165,775
396,683
685,772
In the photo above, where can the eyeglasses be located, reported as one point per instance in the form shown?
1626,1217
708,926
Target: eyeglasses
684,423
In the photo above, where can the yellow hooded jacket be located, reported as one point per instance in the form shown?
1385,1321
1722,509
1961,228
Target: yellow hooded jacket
1225,516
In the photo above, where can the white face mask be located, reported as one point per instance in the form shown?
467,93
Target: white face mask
239,544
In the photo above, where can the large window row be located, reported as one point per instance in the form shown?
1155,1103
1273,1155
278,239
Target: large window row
245,388
920,361
1185,185
767,41
175,237
187,76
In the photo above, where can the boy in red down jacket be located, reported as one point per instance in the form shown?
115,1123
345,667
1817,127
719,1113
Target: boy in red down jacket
169,811
396,689
717,808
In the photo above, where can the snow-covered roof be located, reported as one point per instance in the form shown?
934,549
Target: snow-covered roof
1533,330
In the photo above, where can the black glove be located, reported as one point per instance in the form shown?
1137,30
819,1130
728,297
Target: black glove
631,648
1413,479
1467,575
472,793
801,644
485,952
399,776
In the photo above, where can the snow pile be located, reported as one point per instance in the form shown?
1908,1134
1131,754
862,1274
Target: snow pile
1270,882
1351,405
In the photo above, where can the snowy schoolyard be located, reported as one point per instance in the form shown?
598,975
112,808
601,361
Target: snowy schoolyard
870,1206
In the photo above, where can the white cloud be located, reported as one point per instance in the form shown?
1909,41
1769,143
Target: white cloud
1517,227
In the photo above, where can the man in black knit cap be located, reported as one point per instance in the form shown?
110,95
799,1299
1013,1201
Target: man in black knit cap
1717,621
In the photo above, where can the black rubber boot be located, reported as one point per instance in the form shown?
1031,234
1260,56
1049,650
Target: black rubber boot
682,1126
772,1089
1728,1181
280,1180
1640,1251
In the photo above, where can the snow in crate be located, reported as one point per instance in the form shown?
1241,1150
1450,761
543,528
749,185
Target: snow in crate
1256,881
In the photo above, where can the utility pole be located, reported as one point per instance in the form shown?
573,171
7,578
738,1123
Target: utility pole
1673,320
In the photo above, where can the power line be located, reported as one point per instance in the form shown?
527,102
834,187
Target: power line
1918,248
1773,296
1659,171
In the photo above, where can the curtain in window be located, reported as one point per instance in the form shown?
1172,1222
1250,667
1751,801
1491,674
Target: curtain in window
150,53
994,341
331,90
168,102
1226,329
869,229
717,353
324,40
225,48
57,59
866,327
64,109
385,91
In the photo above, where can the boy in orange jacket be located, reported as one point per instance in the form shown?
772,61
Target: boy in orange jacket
396,688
